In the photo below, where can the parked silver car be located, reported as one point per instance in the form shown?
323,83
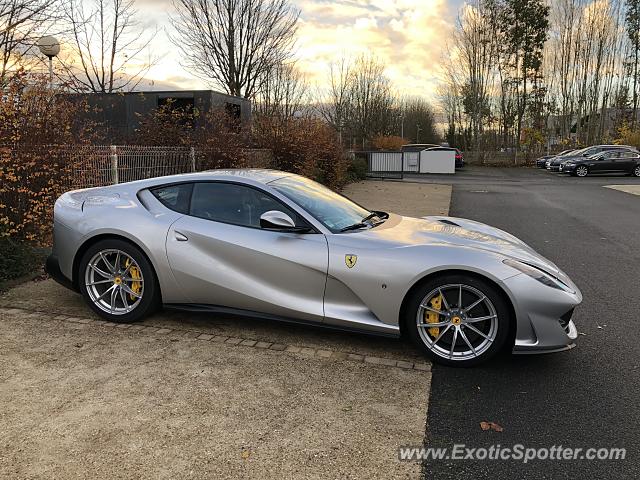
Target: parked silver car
277,245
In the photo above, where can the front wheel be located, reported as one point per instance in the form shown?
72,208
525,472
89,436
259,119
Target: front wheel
118,282
458,320
582,171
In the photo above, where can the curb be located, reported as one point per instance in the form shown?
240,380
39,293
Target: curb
177,333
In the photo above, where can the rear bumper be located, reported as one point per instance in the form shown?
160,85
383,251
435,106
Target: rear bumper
52,267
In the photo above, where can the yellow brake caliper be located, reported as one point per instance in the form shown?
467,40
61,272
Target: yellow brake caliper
136,287
432,317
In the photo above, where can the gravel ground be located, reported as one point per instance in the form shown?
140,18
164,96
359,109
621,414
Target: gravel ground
82,400
403,198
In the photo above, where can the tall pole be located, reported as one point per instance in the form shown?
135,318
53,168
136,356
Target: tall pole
50,72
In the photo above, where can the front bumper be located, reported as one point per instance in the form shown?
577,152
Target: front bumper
568,168
52,267
543,315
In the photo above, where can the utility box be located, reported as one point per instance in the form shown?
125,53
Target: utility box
434,161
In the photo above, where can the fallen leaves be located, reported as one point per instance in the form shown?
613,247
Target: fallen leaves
491,426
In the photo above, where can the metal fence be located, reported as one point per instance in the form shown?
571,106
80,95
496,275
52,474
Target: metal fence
100,165
383,164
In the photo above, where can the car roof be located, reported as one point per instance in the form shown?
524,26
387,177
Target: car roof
245,175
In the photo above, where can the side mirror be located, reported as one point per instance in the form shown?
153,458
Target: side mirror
276,220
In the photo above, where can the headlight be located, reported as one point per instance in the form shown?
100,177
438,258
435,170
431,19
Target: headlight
539,275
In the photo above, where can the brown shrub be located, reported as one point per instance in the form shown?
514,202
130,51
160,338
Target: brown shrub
219,141
388,142
306,146
32,172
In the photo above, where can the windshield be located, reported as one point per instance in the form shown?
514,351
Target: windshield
579,152
332,209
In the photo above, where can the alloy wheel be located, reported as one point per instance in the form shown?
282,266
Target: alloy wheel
457,322
114,282
582,171
636,172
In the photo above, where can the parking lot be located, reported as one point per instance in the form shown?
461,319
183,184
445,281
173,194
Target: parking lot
586,397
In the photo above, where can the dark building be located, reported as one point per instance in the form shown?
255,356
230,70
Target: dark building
120,113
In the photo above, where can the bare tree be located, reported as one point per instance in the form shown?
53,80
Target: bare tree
106,41
372,110
359,103
418,120
21,23
334,104
283,92
233,44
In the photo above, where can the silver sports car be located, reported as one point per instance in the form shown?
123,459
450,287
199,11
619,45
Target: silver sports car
276,245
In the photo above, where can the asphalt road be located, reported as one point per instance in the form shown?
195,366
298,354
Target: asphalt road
586,397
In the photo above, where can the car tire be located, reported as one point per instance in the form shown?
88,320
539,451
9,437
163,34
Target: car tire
479,340
118,282
636,171
582,171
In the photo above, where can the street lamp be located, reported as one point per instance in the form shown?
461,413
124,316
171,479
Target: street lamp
401,118
50,47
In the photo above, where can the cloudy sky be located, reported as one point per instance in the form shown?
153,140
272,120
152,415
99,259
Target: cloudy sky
407,35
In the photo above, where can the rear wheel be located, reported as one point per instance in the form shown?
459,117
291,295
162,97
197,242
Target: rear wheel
458,320
118,282
636,171
582,171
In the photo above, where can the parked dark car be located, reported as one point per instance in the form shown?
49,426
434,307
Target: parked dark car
611,161
542,161
418,147
554,163
459,157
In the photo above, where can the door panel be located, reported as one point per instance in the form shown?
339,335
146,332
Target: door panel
626,162
601,164
248,268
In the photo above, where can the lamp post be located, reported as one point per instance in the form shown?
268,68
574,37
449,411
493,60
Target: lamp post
50,47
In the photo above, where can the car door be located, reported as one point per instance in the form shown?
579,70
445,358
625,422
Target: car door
603,162
627,161
220,256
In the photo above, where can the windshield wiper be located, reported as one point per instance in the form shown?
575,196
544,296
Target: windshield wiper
355,226
362,223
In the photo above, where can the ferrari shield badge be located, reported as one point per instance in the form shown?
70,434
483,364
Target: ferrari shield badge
350,260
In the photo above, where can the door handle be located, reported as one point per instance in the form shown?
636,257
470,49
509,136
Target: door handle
180,236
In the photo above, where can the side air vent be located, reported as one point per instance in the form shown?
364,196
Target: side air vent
564,320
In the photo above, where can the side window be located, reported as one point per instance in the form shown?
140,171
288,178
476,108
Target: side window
235,204
175,197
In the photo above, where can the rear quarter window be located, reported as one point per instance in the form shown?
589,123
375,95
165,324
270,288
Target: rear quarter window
175,197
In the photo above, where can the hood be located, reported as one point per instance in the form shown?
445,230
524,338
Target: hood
559,160
437,230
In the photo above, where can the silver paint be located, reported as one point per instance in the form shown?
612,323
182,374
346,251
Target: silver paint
305,276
